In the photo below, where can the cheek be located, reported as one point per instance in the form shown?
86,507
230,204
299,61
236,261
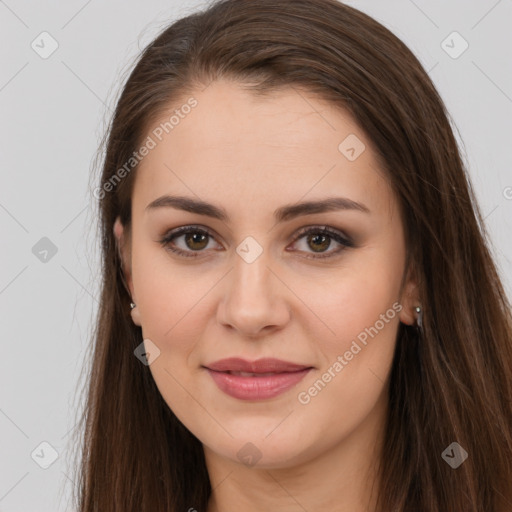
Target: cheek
356,362
362,312
172,309
365,322
352,302
170,297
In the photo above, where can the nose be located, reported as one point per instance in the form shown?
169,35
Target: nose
255,299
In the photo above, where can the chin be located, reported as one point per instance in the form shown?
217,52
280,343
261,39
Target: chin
259,450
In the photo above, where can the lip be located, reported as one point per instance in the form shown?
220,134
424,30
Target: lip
260,386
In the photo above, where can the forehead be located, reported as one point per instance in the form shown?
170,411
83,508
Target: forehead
235,149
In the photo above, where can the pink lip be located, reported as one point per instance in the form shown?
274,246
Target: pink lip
258,387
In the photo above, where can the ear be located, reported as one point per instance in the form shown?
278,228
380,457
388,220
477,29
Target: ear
124,254
409,300
123,247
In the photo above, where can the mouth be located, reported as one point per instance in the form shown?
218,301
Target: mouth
256,380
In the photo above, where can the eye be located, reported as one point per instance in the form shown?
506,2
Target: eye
196,239
320,238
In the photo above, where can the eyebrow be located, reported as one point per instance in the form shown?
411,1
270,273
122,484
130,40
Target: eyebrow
282,214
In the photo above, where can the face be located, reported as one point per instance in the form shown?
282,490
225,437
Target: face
319,288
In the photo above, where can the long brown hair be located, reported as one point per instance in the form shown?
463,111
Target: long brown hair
452,383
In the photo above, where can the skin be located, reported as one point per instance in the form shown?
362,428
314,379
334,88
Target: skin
251,156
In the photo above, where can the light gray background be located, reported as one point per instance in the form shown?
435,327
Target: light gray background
53,113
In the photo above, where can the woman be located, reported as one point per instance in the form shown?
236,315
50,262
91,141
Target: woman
299,308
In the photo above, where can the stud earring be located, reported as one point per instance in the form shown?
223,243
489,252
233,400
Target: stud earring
420,316
132,305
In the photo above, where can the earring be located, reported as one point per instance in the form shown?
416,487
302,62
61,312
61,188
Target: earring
132,305
420,317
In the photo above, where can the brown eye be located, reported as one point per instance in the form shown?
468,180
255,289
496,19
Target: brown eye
319,239
195,240
319,243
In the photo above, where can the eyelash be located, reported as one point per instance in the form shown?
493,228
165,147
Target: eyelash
319,230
